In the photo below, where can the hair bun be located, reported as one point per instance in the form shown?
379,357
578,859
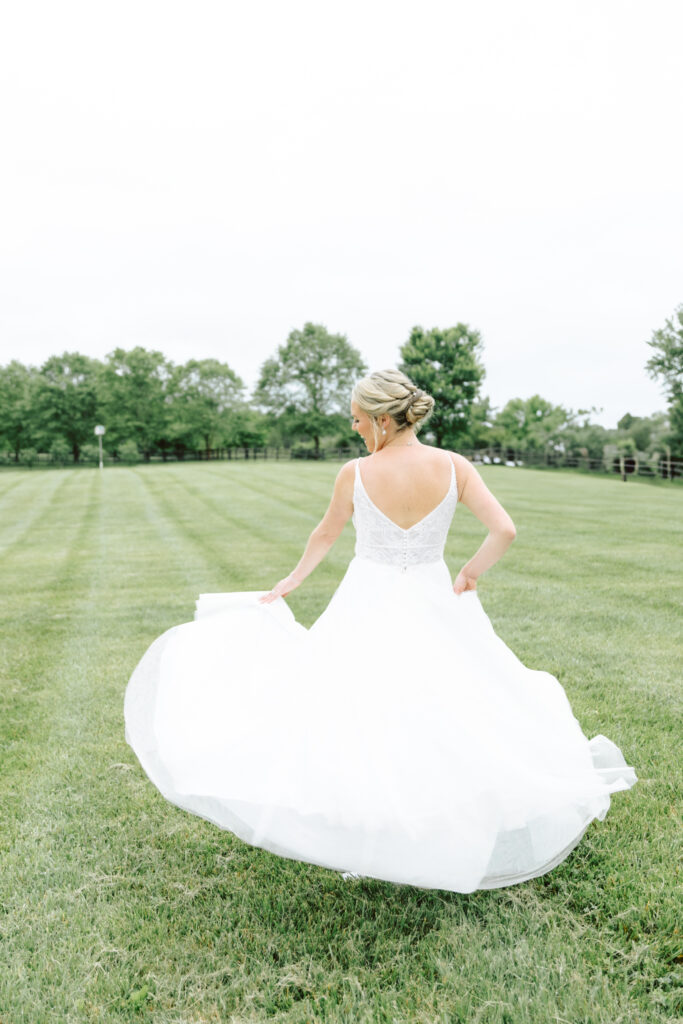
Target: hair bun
419,407
391,392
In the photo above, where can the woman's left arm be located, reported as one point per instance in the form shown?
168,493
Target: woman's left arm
323,537
476,496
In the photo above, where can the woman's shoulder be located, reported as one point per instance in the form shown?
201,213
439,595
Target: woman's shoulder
459,461
348,468
344,484
464,469
346,474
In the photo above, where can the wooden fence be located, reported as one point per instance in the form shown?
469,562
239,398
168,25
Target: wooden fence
663,466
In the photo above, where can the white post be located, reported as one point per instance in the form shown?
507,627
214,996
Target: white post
99,430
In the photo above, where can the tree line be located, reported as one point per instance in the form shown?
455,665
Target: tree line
150,405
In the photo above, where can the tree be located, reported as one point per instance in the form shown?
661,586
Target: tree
666,364
249,429
67,401
313,375
18,426
648,432
531,424
479,429
60,451
134,397
204,393
583,438
447,364
284,427
128,452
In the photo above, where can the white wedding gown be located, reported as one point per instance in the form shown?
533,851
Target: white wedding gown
398,738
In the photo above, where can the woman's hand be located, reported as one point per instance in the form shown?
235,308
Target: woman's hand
281,589
464,582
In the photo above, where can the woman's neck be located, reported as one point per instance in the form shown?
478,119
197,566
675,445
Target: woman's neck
401,439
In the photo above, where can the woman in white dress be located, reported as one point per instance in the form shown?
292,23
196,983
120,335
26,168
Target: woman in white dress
399,738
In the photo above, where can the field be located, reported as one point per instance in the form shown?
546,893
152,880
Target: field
116,906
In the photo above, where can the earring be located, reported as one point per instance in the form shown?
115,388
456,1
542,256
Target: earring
384,430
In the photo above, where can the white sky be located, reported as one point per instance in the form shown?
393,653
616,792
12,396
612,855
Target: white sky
202,177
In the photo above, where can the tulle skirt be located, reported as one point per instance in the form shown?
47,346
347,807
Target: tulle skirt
398,738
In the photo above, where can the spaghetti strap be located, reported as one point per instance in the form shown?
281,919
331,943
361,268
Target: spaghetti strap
454,478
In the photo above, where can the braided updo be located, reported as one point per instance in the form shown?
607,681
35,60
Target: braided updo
390,392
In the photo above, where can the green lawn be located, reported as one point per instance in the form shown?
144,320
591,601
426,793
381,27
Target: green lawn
116,906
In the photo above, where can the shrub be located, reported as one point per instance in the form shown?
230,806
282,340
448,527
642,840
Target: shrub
305,451
60,452
128,452
90,453
28,456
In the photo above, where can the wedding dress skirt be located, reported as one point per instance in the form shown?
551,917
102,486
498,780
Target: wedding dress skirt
398,738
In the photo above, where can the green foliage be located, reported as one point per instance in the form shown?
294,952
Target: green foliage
666,365
60,451
648,433
142,397
580,437
28,456
447,363
626,446
531,424
676,420
205,395
128,452
286,427
479,429
66,400
18,385
310,379
90,452
306,451
133,397
248,428
638,428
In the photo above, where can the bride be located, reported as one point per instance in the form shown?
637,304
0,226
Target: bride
398,738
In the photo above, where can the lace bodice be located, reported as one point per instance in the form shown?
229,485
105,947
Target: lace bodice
379,539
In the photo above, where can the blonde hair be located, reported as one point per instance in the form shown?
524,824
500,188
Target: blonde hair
391,393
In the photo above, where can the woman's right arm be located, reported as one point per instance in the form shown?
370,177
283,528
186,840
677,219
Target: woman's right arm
323,537
475,495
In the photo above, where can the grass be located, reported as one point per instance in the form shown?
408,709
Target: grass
117,907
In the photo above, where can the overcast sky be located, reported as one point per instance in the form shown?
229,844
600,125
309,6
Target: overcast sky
203,177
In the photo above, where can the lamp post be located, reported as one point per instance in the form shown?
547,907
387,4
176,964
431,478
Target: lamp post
99,430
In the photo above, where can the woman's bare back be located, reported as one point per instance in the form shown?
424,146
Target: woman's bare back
407,483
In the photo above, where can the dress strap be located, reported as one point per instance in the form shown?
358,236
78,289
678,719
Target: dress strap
357,482
454,482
